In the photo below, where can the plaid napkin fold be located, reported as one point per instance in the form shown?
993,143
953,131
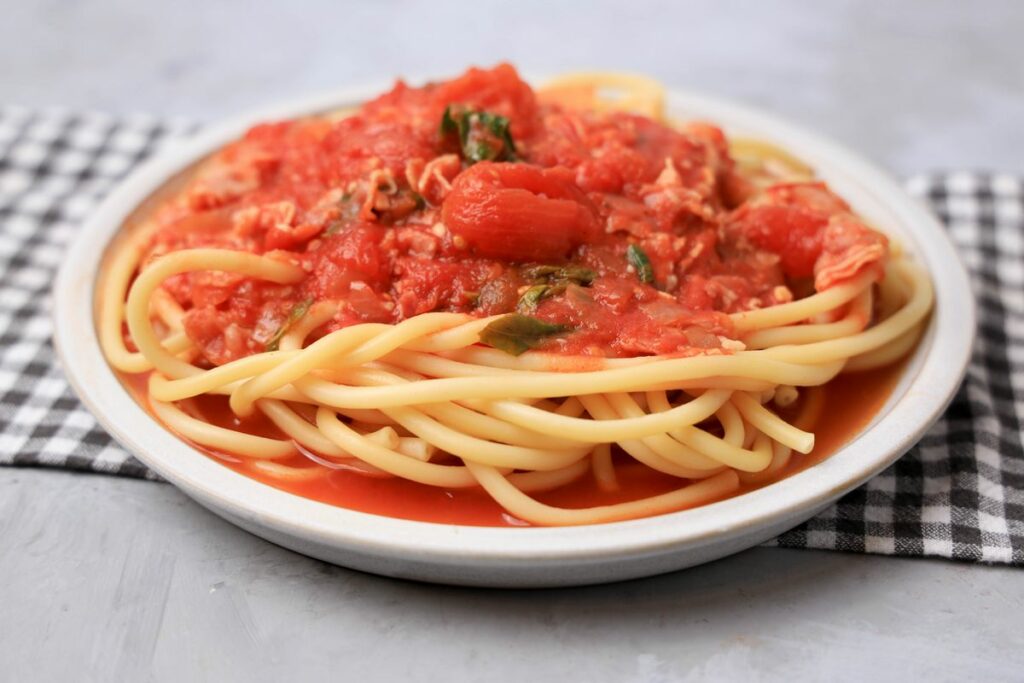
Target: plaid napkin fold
958,494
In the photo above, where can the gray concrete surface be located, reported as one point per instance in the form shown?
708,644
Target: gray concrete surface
119,580
107,579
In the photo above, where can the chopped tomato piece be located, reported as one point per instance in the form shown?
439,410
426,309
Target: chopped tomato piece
848,248
518,212
352,256
812,231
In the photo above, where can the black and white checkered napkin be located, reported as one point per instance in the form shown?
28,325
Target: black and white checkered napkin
957,494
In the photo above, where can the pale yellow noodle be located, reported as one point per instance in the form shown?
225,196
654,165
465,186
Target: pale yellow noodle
219,438
604,468
524,507
290,474
769,423
425,390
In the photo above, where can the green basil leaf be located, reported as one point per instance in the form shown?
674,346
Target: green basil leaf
638,259
482,136
499,127
562,274
515,333
449,126
478,150
532,297
294,316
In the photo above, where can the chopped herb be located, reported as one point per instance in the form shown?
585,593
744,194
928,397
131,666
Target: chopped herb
560,274
515,333
478,150
534,295
296,314
481,135
449,126
638,259
550,281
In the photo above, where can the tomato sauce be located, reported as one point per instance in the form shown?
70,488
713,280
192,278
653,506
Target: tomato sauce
617,234
849,403
627,236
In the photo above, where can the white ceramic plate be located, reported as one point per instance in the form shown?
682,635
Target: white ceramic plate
522,557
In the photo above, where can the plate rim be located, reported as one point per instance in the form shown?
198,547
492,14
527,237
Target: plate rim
216,486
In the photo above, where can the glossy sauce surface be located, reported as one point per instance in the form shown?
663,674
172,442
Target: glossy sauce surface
621,235
849,403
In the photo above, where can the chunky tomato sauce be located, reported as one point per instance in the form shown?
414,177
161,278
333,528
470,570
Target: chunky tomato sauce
619,234
613,234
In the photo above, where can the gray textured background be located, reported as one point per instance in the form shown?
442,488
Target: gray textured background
913,85
106,579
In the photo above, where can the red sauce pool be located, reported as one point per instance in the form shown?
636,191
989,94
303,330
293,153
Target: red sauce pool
849,404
